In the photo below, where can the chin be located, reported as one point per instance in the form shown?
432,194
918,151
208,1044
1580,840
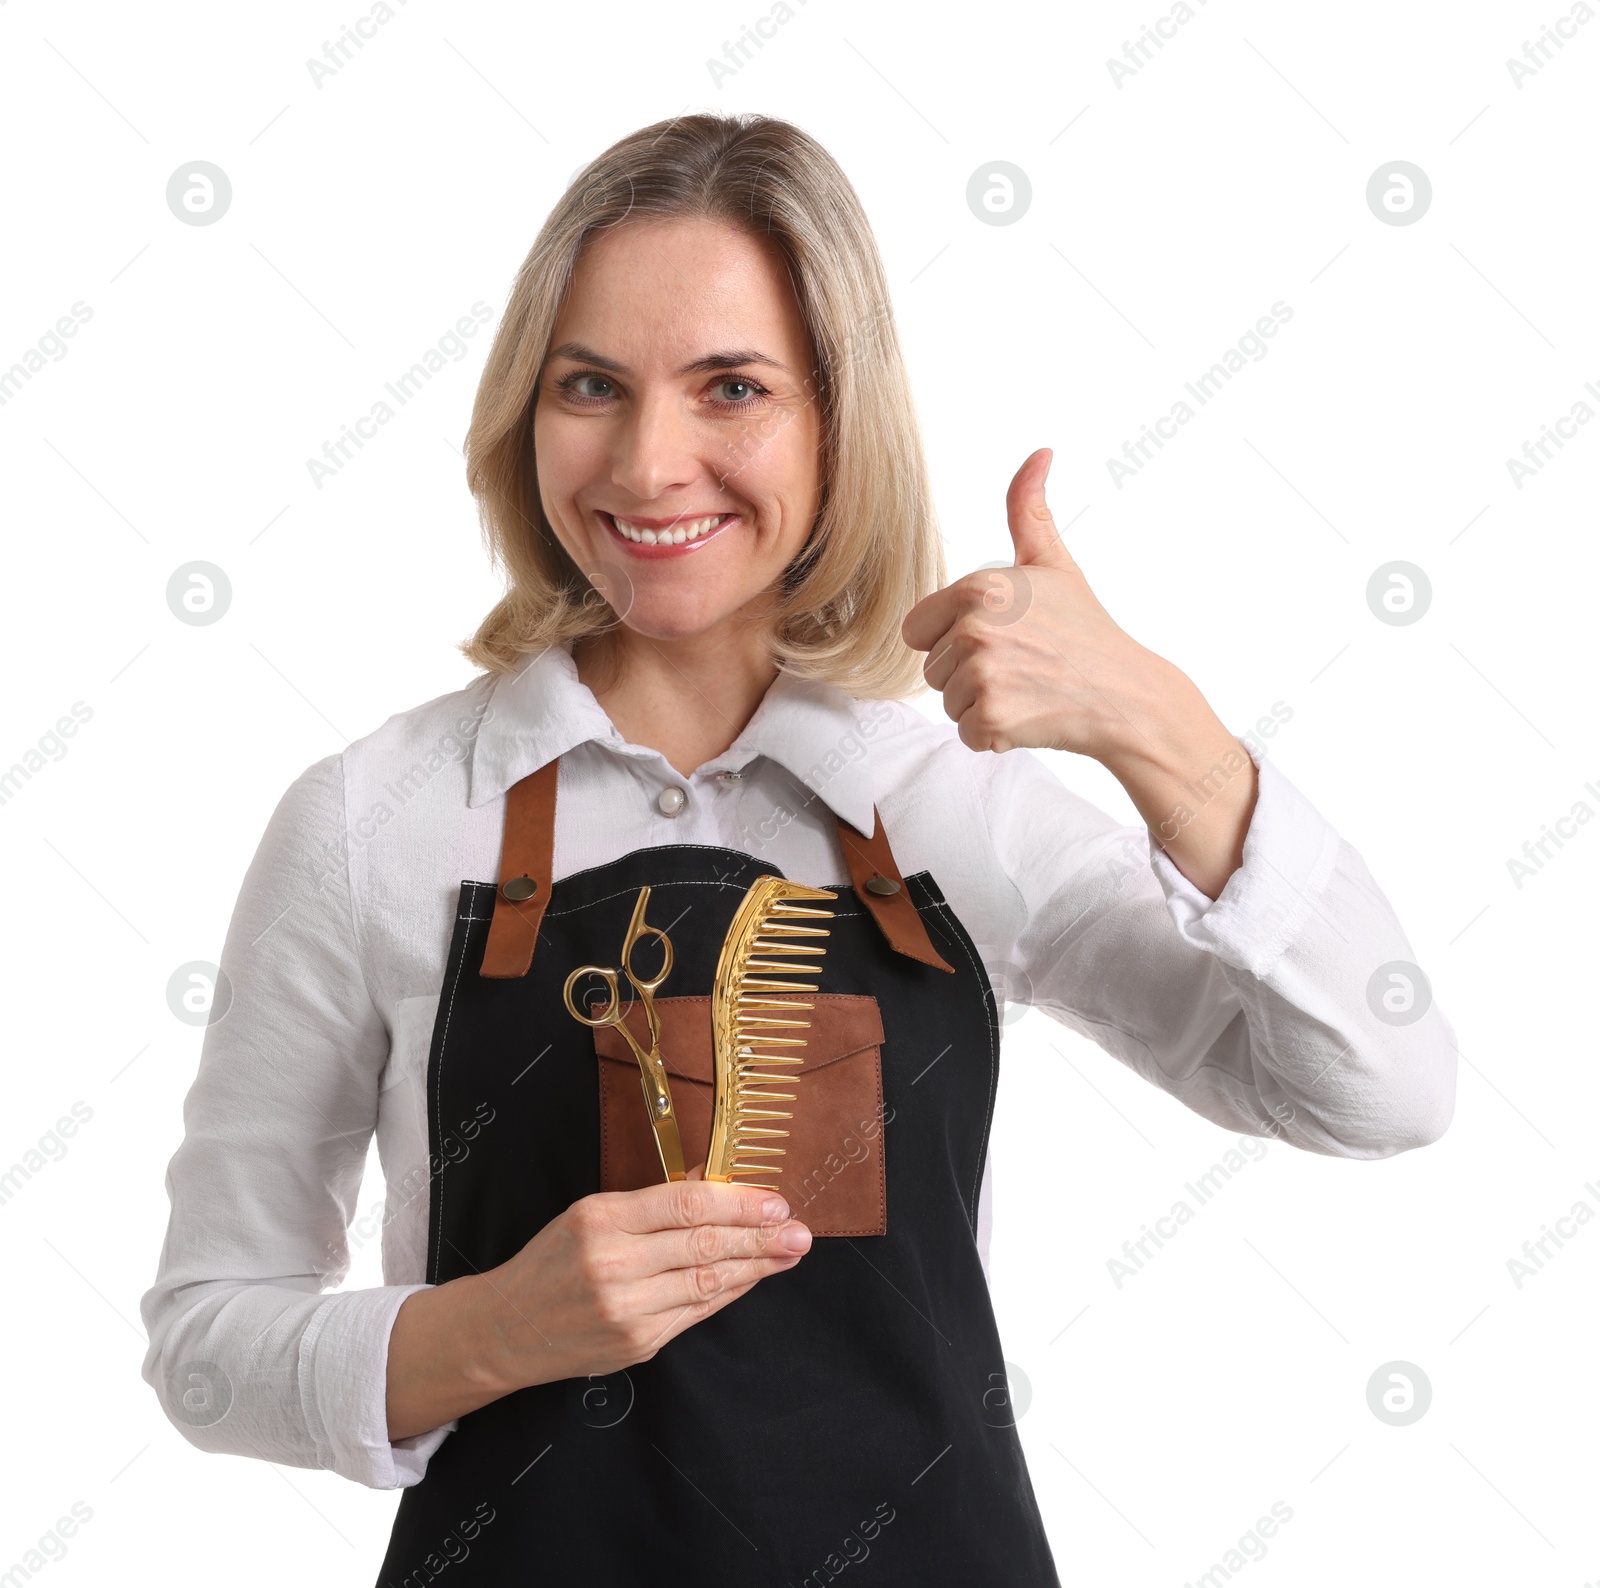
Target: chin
668,617
672,620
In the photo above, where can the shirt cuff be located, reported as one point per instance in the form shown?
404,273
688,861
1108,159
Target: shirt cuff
1290,851
344,1363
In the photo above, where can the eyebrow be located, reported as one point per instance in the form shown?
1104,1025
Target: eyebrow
734,358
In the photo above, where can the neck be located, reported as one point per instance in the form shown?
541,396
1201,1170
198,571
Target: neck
688,698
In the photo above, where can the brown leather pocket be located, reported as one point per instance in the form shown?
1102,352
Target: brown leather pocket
832,1171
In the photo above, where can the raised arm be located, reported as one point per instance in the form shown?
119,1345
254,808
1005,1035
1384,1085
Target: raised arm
1235,951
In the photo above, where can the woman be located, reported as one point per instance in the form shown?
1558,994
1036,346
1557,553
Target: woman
695,454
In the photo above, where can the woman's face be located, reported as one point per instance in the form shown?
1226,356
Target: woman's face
676,427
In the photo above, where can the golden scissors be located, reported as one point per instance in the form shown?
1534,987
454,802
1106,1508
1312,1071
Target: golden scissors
652,1072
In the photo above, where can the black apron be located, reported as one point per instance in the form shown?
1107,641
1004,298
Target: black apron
848,1413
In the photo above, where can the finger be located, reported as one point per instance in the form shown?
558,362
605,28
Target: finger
930,617
666,1250
960,693
712,1284
667,1303
1033,530
683,1203
943,658
977,730
671,1321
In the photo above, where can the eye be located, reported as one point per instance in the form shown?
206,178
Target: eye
586,386
737,391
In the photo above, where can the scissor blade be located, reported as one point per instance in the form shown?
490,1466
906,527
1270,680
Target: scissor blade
670,1148
662,1119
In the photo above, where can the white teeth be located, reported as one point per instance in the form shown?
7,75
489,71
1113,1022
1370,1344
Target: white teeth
689,529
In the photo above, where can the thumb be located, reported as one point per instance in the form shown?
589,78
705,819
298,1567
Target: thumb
1033,530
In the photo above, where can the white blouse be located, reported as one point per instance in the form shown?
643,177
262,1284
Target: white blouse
1262,1010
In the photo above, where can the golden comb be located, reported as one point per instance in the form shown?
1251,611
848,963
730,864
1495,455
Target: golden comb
762,943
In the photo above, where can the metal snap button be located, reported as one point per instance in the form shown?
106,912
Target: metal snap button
883,887
516,889
670,801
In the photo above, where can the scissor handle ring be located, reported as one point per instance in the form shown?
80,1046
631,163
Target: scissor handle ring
612,1014
666,958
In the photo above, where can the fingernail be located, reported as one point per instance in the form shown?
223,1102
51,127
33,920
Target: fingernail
796,1238
775,1208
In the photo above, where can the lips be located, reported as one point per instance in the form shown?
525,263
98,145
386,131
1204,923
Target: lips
666,537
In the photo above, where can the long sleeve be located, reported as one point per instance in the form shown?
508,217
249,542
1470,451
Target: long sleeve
246,1354
1263,1010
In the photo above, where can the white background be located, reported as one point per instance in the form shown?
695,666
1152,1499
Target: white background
1168,214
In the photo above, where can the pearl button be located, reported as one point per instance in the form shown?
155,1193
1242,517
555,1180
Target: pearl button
670,801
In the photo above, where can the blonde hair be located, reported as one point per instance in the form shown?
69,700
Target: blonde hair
875,548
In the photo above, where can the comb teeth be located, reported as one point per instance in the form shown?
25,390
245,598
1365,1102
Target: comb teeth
759,949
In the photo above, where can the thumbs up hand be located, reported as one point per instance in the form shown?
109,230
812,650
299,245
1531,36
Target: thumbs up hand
1027,656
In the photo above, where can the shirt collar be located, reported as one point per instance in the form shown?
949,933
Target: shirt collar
811,730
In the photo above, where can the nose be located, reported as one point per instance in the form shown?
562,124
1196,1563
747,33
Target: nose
655,450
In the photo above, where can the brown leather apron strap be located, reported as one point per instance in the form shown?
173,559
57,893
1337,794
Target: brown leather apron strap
527,869
879,885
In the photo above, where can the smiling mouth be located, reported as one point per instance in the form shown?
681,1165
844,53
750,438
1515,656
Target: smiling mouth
663,536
